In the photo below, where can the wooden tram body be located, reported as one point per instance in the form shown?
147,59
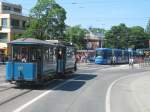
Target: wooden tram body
33,61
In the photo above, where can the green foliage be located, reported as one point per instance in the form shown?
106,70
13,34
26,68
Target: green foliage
75,35
46,21
17,36
97,30
116,37
123,37
138,38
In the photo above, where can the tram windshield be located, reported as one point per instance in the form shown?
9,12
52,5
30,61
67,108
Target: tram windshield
20,54
25,53
100,54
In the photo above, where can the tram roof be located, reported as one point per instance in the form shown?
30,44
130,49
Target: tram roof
103,48
109,49
30,41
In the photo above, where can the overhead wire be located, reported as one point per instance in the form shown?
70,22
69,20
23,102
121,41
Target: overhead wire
93,2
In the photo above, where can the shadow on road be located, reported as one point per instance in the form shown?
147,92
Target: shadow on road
76,82
84,76
71,83
71,86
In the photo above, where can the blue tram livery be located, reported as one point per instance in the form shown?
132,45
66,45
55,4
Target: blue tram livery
111,56
33,61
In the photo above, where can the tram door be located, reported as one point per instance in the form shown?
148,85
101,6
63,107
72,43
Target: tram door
61,59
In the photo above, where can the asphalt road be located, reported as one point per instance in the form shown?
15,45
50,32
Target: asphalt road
84,91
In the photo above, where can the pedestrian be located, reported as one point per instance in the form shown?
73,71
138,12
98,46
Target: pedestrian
131,62
113,60
60,67
3,59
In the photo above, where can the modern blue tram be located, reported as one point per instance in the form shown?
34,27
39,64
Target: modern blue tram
33,61
106,55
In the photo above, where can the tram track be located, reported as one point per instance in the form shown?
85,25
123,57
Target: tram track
14,97
5,89
11,93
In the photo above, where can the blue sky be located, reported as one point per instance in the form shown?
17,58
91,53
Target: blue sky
100,13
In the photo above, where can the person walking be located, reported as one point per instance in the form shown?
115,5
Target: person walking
131,62
113,60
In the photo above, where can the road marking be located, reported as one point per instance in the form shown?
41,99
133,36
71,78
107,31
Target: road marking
40,96
107,102
52,90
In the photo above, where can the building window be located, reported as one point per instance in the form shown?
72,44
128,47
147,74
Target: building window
3,37
5,7
15,23
17,10
23,24
4,22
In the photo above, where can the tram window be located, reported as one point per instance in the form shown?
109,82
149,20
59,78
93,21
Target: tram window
20,52
109,54
46,54
35,54
99,53
70,52
105,54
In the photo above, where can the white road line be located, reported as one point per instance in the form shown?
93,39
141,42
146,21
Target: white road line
49,91
107,102
40,96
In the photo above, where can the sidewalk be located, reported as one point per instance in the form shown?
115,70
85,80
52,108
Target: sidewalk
131,93
141,92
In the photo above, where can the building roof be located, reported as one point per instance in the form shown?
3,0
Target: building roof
53,41
29,41
94,36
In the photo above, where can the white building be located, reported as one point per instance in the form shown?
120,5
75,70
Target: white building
12,22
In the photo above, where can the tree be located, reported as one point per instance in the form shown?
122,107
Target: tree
46,21
117,37
97,30
76,35
137,37
123,37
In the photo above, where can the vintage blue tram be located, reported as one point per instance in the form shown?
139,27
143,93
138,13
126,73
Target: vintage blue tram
33,61
105,56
